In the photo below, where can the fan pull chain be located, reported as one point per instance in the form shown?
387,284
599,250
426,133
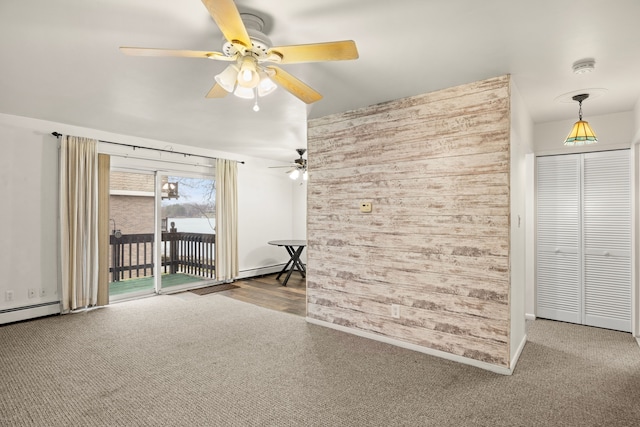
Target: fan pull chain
256,107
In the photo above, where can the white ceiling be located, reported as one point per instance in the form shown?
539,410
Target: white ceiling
60,62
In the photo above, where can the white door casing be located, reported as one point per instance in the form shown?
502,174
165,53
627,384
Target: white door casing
583,244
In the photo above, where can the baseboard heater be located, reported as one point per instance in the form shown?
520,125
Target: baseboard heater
260,271
26,312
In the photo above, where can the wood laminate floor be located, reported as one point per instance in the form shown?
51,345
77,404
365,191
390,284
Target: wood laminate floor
267,291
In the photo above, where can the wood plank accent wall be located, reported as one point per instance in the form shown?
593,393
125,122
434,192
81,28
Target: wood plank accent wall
436,169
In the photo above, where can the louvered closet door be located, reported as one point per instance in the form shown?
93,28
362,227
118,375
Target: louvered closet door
559,269
607,240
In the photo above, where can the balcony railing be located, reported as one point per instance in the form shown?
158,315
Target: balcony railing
189,253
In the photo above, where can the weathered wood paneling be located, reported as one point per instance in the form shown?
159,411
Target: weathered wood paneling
436,169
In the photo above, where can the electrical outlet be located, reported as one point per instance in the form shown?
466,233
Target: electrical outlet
395,311
31,293
8,296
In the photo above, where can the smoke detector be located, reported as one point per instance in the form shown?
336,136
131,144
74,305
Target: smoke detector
584,66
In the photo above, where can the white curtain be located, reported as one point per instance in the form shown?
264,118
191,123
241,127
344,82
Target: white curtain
79,222
227,267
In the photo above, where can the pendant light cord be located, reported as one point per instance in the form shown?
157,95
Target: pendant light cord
580,110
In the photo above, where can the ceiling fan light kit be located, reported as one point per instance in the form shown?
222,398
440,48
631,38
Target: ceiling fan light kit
247,47
244,92
266,85
301,166
227,78
248,74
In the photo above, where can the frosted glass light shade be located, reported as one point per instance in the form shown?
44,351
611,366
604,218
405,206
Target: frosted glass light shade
294,174
581,134
244,92
266,85
227,78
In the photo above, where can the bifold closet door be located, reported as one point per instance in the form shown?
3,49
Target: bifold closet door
583,245
607,240
559,264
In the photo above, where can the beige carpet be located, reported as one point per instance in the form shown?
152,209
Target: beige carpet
187,360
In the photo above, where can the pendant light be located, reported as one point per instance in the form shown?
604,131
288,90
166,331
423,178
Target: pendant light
581,134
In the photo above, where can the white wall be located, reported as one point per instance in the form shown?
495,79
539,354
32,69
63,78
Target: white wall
265,212
28,248
300,207
530,251
300,214
636,123
521,145
28,217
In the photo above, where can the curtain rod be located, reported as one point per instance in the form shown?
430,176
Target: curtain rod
58,135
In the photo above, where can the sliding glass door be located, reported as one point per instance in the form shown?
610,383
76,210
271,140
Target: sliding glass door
187,223
162,232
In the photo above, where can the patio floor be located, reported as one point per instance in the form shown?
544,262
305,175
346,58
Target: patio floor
146,283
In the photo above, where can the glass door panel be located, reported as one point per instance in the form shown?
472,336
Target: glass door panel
132,229
187,216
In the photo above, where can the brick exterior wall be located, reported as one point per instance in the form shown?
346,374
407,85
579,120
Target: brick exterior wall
132,214
132,181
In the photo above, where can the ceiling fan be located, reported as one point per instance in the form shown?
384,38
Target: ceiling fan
249,51
298,167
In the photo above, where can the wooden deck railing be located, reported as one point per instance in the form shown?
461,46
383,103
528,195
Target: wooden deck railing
190,253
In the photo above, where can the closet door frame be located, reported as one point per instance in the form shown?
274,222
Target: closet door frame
634,159
635,208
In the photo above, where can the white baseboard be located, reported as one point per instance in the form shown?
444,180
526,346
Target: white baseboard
516,356
260,271
530,316
29,312
426,350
